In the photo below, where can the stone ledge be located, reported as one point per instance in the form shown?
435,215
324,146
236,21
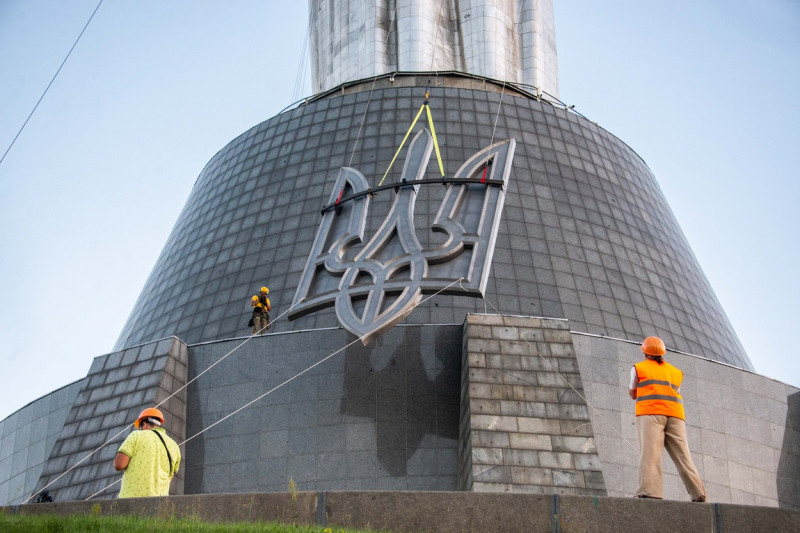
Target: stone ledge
442,511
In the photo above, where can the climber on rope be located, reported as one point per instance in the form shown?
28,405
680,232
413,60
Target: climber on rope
261,308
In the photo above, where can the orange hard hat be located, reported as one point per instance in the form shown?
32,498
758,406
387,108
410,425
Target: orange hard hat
654,346
150,412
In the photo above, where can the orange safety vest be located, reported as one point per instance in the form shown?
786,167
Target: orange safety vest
657,389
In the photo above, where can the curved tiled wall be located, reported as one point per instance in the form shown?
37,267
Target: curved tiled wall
586,233
26,438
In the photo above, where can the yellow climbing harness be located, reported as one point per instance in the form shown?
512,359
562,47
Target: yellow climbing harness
433,133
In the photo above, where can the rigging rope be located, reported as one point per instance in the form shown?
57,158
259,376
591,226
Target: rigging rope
497,116
123,430
532,347
51,82
369,99
427,108
302,67
273,389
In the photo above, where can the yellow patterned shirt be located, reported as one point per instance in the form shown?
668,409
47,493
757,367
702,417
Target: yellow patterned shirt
148,471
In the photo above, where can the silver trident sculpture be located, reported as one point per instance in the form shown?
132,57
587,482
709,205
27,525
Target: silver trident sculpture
385,281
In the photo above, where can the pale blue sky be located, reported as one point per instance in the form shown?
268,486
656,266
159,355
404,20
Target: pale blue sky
704,91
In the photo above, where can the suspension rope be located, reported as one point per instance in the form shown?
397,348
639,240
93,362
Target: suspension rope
51,81
301,68
497,116
123,430
338,351
285,382
369,98
424,106
435,43
427,108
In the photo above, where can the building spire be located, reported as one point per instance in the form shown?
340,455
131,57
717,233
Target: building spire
508,40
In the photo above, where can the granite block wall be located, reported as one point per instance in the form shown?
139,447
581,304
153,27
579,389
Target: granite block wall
119,385
742,427
525,426
26,438
386,416
377,417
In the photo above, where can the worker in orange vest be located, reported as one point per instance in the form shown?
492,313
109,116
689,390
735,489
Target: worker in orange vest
656,386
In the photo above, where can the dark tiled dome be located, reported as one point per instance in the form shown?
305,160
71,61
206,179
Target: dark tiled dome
586,233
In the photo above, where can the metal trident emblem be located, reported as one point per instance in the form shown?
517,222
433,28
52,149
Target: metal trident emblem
386,279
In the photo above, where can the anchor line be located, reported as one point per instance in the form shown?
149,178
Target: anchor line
159,404
369,99
285,382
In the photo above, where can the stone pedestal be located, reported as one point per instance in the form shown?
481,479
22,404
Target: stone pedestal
524,423
119,385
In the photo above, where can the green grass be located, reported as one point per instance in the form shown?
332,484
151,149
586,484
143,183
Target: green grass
12,523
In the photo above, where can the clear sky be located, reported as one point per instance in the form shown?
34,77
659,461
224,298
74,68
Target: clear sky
705,91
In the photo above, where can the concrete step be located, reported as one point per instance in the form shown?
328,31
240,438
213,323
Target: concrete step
445,512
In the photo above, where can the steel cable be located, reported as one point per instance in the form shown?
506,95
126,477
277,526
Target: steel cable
285,382
51,82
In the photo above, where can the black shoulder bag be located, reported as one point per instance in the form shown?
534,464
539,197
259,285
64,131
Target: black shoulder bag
169,457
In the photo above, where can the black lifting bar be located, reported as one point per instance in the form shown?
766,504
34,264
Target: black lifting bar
337,205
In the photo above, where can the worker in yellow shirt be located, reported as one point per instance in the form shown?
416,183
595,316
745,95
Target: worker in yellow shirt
148,457
261,308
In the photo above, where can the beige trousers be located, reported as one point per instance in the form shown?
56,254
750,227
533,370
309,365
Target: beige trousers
656,432
260,323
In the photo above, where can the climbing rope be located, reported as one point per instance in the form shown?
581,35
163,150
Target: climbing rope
285,382
123,430
51,82
300,78
369,99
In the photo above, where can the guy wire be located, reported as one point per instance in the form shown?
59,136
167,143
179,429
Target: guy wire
51,82
369,99
123,430
301,70
338,351
273,389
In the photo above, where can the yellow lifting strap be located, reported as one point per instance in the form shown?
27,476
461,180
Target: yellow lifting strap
433,133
